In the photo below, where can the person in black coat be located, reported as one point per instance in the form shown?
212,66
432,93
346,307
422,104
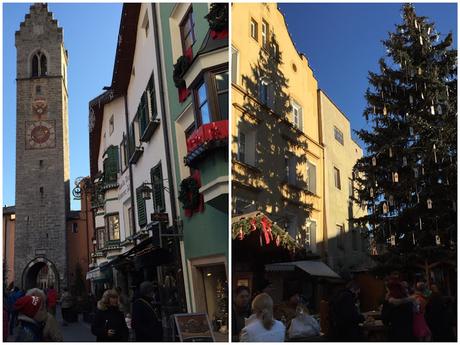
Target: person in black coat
109,322
398,313
146,321
344,315
438,315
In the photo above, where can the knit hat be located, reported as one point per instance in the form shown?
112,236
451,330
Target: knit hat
28,305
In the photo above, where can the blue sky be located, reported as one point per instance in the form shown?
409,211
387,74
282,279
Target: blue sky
90,36
343,42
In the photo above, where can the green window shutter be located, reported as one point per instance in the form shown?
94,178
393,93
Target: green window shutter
153,104
131,140
141,211
142,113
111,165
156,177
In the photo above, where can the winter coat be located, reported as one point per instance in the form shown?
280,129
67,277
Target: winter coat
399,321
51,298
28,330
52,331
344,317
6,327
110,318
256,332
146,321
66,301
238,319
438,316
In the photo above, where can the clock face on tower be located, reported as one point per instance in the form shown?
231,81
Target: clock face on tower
40,134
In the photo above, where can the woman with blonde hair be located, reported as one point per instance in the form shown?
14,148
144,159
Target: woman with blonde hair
109,322
261,326
51,330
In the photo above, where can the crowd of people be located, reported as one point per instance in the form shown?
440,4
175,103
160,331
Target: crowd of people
31,315
408,313
261,321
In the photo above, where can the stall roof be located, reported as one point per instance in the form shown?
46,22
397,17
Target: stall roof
314,268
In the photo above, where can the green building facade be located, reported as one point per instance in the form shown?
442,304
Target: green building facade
195,55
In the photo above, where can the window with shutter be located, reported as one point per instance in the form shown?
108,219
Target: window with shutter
153,104
111,165
142,114
156,176
141,211
131,140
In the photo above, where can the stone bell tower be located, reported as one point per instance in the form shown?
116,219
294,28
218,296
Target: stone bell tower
42,152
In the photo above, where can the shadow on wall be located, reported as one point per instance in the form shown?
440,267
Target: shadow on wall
273,170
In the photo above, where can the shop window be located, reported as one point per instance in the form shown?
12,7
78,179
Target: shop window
141,209
187,31
215,284
254,28
156,177
113,227
211,97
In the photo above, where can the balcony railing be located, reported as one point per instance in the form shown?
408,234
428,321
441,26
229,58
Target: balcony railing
206,138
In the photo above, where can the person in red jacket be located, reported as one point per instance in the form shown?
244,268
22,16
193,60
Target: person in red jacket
51,299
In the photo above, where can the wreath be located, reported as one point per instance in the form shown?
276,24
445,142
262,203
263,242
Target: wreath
181,66
218,17
189,194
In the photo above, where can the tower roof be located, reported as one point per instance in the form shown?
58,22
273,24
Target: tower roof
39,22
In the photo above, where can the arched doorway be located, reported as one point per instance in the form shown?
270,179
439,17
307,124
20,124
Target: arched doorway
40,273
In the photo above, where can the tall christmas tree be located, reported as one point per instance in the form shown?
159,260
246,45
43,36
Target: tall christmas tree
408,178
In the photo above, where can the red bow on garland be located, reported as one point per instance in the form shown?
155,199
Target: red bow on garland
267,230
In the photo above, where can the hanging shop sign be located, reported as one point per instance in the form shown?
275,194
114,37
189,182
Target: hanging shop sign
161,217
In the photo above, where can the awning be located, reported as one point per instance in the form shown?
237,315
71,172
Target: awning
94,274
314,268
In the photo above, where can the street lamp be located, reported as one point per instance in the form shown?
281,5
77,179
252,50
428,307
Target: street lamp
146,191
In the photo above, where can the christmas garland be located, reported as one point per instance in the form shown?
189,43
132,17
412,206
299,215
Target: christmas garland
268,231
181,66
218,17
189,193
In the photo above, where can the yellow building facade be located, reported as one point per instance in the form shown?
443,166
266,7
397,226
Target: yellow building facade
346,249
277,156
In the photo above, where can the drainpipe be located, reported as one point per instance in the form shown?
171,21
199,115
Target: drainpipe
131,183
163,117
172,199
